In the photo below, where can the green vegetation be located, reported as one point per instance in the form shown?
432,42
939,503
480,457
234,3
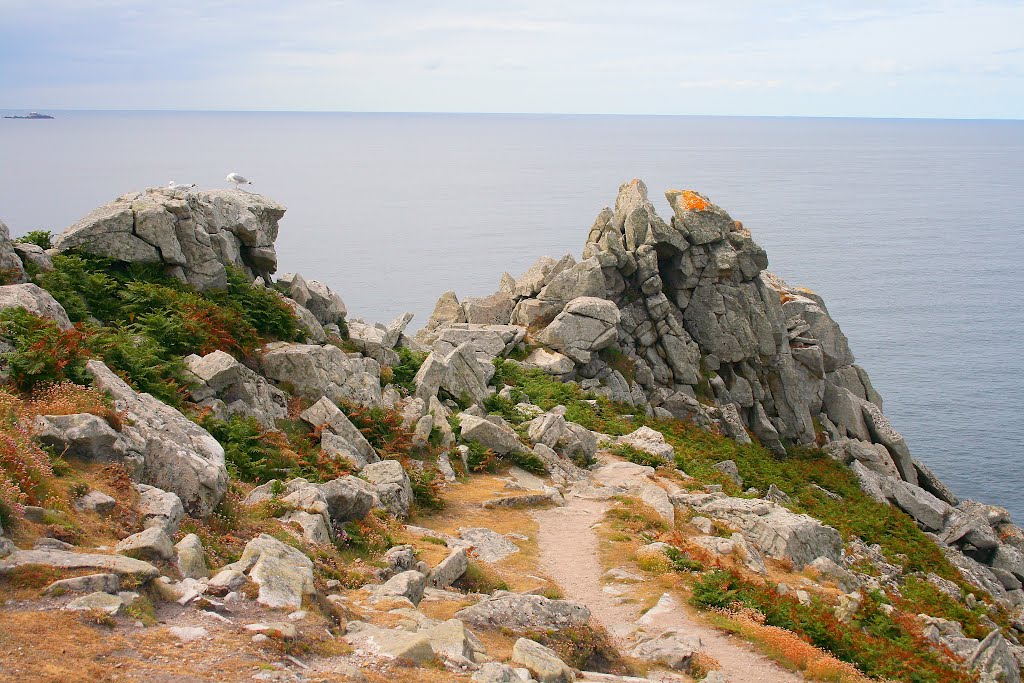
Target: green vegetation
635,455
408,366
249,455
879,645
41,238
139,321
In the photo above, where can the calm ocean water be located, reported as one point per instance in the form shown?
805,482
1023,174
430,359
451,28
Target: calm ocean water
913,231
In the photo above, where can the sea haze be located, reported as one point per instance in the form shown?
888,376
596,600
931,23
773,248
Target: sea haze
912,230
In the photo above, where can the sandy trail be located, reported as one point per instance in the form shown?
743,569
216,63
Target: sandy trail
569,555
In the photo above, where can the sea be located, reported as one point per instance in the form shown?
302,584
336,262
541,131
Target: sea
911,230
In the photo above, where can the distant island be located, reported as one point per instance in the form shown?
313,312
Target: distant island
31,115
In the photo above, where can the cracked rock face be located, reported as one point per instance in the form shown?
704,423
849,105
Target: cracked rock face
194,234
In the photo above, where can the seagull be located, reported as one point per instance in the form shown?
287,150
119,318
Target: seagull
178,186
238,180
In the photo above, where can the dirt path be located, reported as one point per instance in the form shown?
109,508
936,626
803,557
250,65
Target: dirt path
569,555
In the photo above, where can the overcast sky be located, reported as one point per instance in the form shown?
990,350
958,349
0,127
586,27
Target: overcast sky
918,59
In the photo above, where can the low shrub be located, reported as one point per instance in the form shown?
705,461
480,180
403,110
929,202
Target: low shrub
248,453
480,579
409,364
877,644
41,238
635,455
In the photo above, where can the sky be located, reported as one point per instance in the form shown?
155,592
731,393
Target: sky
941,59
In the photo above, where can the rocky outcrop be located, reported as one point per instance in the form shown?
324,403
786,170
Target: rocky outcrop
778,532
284,575
196,235
10,265
320,300
312,372
522,612
177,455
36,301
229,388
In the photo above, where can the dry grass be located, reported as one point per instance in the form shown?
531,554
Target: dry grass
463,510
786,648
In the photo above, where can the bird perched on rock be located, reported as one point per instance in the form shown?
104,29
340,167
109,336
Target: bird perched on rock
238,180
180,186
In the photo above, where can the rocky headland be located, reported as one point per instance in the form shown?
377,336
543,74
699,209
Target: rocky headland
658,461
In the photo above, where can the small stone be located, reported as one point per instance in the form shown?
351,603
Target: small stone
104,602
187,634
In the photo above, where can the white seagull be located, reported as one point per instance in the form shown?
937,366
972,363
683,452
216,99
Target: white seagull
238,180
178,186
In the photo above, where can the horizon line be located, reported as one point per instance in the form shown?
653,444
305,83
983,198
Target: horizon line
502,113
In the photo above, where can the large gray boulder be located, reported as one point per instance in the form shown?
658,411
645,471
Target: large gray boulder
496,434
9,261
195,234
319,299
543,663
243,392
348,498
392,485
389,644
461,375
80,435
284,575
313,371
585,325
177,454
522,612
994,661
72,561
350,441
778,532
36,301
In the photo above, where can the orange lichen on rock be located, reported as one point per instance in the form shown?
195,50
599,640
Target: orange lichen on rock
694,202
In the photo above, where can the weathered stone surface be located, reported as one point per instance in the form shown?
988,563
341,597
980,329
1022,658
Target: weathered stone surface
451,640
446,310
316,371
407,584
389,643
95,501
994,661
348,498
392,485
90,583
99,601
178,455
198,233
497,436
649,441
450,569
151,544
243,391
319,299
551,362
36,301
9,261
461,374
159,508
669,648
496,672
521,612
774,529
191,558
81,435
62,559
495,309
487,545
324,413
542,662
585,325
283,573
